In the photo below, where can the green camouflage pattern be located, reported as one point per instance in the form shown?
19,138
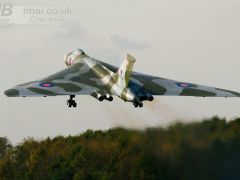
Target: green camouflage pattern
88,76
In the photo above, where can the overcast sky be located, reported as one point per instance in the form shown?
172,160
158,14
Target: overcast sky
189,40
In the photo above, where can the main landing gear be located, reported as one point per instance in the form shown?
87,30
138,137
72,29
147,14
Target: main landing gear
137,103
71,102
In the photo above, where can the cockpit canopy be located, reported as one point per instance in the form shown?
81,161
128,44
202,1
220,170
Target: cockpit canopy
79,52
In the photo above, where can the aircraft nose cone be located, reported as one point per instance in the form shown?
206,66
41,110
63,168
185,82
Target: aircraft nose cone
11,92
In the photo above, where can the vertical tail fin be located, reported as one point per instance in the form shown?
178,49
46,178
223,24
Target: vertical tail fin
124,73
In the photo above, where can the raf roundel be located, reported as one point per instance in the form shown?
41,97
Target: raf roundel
46,85
184,85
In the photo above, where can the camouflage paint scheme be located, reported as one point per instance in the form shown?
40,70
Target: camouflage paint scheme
88,76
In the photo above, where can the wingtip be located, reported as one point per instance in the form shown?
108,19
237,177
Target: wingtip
11,93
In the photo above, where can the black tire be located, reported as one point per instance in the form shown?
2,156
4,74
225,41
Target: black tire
110,98
101,99
135,105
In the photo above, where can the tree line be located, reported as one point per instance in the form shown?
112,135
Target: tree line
209,149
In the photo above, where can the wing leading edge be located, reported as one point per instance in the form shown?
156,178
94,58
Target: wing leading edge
142,85
78,79
165,87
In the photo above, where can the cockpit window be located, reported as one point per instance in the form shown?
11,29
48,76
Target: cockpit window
79,52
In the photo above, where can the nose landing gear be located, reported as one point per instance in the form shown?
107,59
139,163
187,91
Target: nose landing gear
71,102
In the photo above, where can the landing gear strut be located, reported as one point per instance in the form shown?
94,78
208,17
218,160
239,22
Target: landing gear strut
71,102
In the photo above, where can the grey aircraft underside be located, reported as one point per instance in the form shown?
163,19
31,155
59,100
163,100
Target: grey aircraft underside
88,76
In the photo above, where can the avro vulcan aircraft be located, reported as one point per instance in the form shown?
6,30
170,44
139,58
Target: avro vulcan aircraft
88,76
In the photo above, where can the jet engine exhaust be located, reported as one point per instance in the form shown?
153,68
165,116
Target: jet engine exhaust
151,98
146,98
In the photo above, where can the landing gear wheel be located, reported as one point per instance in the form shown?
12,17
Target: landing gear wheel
110,98
101,98
71,102
74,104
138,104
135,105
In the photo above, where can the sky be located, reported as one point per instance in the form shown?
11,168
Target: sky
195,41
